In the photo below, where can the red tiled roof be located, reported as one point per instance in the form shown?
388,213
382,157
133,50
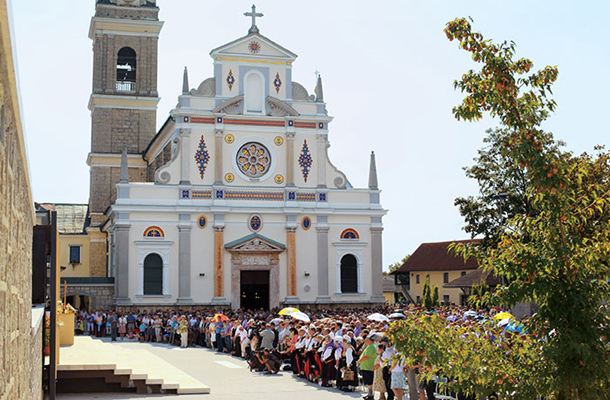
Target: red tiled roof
435,257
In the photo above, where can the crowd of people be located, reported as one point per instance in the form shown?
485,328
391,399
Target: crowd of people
341,348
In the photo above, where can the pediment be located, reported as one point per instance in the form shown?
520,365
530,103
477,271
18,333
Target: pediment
254,243
254,45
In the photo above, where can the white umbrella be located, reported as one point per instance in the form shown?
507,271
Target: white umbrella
378,317
301,316
397,315
276,321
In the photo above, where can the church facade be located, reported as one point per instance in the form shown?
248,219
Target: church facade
234,201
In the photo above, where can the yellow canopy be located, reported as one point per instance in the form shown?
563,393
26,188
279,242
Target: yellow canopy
288,311
502,315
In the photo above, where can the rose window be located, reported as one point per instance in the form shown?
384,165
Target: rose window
253,159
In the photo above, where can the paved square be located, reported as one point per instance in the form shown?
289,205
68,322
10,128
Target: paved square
228,377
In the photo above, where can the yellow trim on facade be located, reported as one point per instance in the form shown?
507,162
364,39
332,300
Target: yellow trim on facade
119,101
115,159
254,61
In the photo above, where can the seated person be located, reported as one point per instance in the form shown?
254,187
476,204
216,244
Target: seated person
269,360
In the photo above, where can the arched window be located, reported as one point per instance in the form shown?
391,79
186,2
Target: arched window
254,93
153,274
349,274
126,69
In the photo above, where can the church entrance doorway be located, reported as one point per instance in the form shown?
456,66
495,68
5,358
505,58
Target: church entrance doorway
254,289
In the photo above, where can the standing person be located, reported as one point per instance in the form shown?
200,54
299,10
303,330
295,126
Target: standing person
219,330
378,382
158,323
386,360
398,376
267,337
122,326
367,362
183,330
113,321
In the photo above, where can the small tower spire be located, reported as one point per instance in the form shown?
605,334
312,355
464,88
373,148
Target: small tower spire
185,81
124,169
373,173
318,91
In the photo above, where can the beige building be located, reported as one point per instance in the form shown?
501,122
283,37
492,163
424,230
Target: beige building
20,323
435,262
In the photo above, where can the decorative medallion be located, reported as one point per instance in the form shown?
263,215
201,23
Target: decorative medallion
277,83
253,159
305,160
202,221
306,223
202,156
229,138
350,233
154,231
254,47
255,223
278,140
279,179
219,120
230,80
229,177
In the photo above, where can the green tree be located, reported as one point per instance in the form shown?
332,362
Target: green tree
559,256
503,188
394,266
426,296
435,296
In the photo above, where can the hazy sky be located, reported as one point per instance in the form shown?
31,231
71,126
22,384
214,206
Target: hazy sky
388,73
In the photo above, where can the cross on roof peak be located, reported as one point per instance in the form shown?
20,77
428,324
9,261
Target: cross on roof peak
253,14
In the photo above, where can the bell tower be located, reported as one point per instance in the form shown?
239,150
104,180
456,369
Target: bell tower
123,103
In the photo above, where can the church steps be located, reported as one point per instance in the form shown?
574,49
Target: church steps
92,365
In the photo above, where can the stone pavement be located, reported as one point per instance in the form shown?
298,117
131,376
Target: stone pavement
228,378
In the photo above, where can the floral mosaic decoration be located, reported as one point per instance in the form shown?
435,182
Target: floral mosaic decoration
277,83
305,160
254,47
202,157
230,80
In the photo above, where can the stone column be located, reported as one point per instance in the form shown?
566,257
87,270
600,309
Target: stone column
376,266
218,157
185,137
122,265
292,262
184,266
321,159
289,158
218,267
322,230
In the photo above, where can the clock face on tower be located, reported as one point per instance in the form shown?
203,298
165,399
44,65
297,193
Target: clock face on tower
253,159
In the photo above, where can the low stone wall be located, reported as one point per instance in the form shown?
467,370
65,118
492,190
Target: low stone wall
102,295
36,352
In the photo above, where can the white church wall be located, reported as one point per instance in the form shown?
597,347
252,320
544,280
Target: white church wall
202,260
307,260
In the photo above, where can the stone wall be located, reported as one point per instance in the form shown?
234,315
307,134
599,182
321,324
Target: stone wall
103,188
16,225
36,352
101,295
111,126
